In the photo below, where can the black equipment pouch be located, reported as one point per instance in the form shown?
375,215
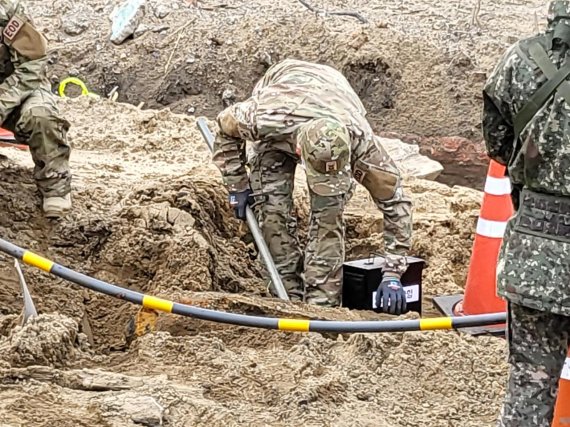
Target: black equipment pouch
544,215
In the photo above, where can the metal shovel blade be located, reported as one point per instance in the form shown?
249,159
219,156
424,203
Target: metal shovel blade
29,308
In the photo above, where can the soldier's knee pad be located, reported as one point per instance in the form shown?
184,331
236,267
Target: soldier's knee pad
42,119
34,117
382,183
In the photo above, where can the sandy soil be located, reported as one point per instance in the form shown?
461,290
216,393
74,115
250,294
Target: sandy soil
150,214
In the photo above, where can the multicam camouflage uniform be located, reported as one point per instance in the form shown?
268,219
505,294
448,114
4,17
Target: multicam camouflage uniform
534,264
27,106
306,111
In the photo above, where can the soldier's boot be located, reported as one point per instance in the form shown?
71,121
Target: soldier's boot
57,207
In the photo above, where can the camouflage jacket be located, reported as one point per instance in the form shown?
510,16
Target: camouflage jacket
23,57
290,94
534,265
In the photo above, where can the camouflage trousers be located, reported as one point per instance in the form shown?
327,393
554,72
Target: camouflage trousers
538,344
316,276
38,124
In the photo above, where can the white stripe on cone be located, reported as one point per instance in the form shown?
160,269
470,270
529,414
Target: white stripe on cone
566,370
488,228
498,186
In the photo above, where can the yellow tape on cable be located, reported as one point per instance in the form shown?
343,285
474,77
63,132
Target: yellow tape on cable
159,304
42,263
436,323
296,325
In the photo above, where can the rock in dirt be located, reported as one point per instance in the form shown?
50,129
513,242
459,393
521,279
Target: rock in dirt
142,410
162,8
126,18
49,339
162,11
84,379
77,20
410,161
140,30
228,97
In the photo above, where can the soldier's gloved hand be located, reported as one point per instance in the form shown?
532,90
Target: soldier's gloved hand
391,294
239,201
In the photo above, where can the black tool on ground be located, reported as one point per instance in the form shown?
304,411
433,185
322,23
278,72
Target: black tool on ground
362,277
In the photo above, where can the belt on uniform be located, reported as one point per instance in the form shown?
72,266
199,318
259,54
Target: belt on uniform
544,215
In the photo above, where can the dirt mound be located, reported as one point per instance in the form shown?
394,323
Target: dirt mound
324,381
246,377
49,339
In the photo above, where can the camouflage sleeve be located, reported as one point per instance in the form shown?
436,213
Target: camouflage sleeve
236,125
373,167
497,118
397,230
28,53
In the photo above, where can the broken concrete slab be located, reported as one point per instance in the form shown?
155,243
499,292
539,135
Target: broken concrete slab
409,160
126,18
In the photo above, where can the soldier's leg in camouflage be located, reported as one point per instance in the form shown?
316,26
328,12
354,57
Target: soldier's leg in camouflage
41,127
538,343
273,174
324,254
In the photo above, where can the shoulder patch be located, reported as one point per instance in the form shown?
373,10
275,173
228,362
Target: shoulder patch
13,28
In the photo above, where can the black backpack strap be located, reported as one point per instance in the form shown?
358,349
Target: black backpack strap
541,58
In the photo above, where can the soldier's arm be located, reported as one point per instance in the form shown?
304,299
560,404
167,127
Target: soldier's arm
378,173
397,230
28,52
236,125
497,119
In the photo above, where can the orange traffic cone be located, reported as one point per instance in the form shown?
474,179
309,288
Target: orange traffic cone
7,139
562,408
6,135
496,210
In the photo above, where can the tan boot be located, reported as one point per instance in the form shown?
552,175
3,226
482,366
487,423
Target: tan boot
57,207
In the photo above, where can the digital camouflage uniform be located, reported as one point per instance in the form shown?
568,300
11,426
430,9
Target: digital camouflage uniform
301,111
534,265
27,107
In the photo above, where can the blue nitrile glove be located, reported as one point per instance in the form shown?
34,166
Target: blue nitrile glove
391,294
239,201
